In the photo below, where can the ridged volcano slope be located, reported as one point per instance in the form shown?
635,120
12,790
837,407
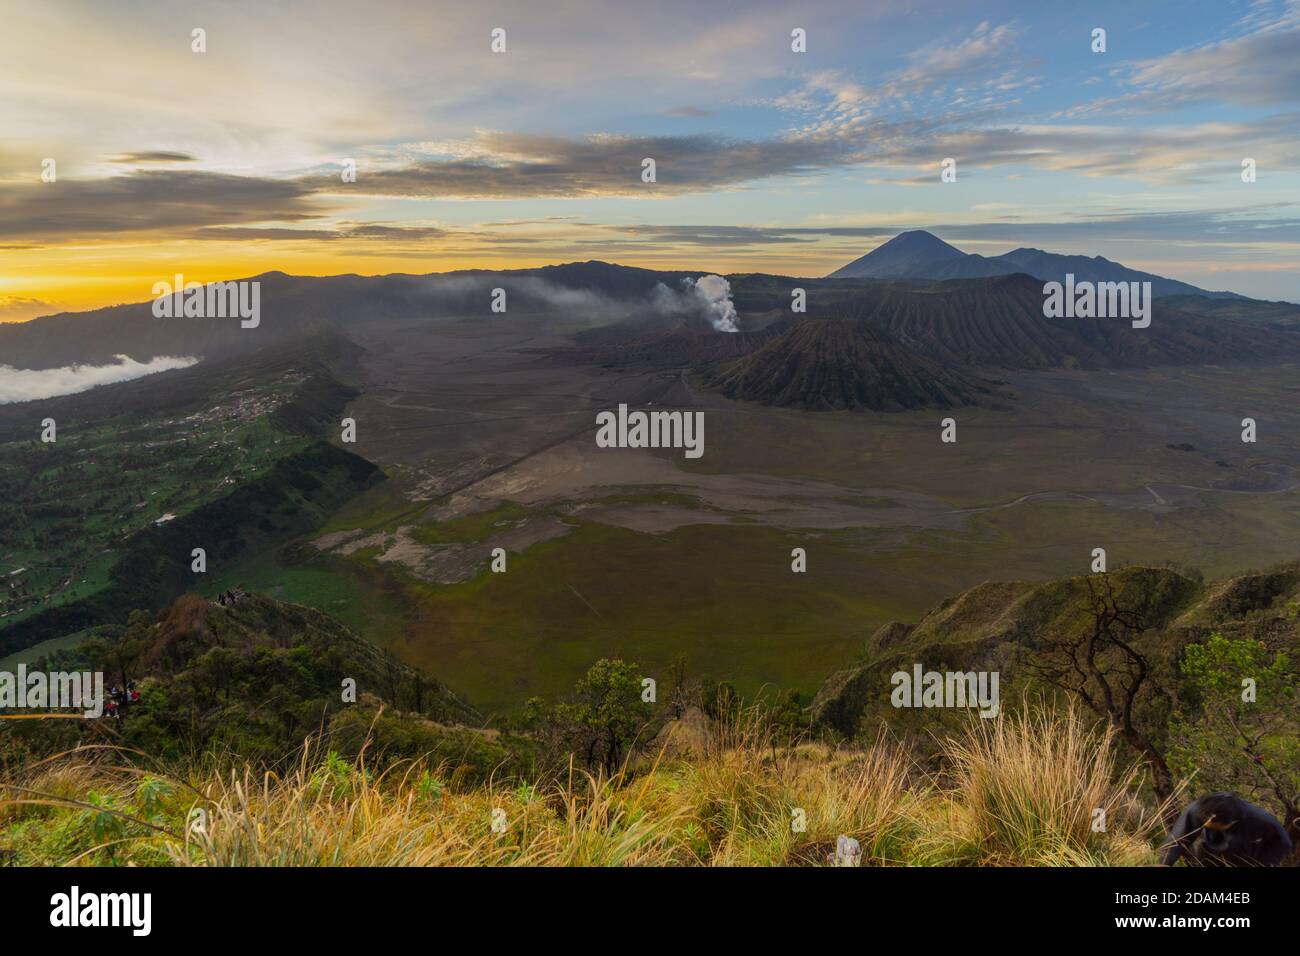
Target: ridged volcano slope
824,364
1000,323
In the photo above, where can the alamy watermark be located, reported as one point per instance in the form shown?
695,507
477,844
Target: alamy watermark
74,908
1098,300
77,691
640,429
216,300
952,689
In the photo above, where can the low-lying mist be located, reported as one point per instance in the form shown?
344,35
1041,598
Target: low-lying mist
25,384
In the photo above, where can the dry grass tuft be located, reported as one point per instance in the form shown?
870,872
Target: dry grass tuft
1022,790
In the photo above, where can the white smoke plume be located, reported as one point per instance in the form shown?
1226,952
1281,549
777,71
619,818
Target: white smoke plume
715,291
709,295
26,384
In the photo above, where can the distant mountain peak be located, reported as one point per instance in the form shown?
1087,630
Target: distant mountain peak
901,256
918,254
918,240
919,235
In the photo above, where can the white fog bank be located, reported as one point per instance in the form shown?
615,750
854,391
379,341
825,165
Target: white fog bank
26,384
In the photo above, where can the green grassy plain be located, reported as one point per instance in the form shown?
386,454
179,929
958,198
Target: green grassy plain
724,594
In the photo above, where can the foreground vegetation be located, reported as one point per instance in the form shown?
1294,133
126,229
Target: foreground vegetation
1016,791
269,733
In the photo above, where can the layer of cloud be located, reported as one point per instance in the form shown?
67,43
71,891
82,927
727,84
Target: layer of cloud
504,165
148,201
1260,68
1257,225
497,165
981,70
25,385
153,156
240,147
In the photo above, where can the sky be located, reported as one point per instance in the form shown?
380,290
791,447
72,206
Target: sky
230,162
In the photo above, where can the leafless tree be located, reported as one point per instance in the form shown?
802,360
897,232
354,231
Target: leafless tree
1102,666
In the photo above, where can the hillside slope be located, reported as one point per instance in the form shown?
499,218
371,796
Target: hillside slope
227,455
1001,627
824,364
999,323
682,346
154,565
307,654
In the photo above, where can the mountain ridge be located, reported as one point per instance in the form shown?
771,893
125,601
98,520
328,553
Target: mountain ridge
918,254
619,302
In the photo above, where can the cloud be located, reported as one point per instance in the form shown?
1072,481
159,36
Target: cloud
985,47
25,385
1258,69
504,165
711,236
493,165
1262,224
980,70
1215,228
708,296
381,231
951,97
149,201
154,156
1183,153
453,289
